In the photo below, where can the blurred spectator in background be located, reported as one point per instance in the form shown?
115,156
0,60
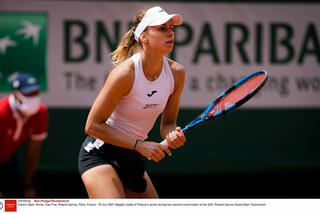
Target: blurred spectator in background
23,118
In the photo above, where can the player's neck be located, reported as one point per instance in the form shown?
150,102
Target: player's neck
152,65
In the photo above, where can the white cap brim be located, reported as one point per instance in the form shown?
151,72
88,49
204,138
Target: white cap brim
156,16
176,20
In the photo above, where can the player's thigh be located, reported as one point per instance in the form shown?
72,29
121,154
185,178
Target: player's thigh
103,182
149,193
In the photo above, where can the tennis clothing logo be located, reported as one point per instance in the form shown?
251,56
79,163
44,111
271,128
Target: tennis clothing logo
23,46
10,205
150,106
152,93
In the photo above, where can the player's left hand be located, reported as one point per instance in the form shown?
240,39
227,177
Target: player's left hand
176,138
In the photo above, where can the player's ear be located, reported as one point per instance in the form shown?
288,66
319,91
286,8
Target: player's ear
144,37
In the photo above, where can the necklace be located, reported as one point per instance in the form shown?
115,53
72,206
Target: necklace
155,77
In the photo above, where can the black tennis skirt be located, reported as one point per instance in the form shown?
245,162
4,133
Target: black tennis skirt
127,163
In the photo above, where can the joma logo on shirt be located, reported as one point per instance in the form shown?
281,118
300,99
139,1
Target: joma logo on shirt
152,93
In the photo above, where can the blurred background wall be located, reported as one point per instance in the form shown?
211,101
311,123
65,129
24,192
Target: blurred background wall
267,149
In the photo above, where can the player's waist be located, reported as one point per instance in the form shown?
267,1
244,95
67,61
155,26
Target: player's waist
134,130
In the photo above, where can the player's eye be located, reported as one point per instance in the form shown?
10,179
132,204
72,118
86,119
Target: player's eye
165,28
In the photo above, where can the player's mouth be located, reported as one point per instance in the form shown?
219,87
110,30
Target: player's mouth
170,42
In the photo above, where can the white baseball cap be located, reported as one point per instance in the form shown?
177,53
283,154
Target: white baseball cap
156,16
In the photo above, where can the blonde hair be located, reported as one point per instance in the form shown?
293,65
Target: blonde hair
128,45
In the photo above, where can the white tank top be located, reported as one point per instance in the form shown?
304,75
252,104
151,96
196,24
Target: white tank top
137,112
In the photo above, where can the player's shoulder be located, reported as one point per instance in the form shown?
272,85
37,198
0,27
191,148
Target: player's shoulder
177,69
175,66
123,70
121,77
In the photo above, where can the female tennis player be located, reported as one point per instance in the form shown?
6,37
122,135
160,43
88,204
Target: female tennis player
142,85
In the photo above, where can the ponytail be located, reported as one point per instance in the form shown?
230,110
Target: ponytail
128,45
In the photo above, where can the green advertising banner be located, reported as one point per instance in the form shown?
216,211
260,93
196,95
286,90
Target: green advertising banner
23,46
